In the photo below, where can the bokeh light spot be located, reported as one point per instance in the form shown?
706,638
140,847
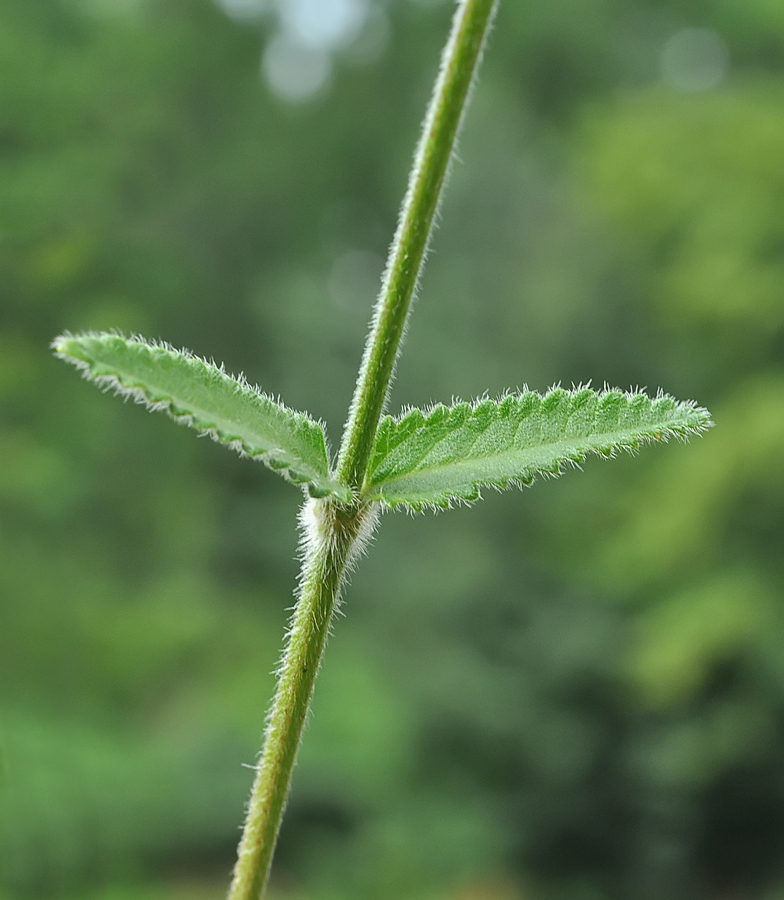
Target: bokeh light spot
694,60
293,71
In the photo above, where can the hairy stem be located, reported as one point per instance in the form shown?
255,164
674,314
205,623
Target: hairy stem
407,253
331,532
336,528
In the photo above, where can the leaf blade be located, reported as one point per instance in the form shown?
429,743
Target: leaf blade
429,460
197,393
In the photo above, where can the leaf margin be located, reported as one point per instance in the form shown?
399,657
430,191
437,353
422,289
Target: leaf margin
393,431
316,476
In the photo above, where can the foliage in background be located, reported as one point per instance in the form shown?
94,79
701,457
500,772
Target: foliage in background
604,224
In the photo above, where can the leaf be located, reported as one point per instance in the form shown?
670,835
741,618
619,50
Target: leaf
430,459
197,393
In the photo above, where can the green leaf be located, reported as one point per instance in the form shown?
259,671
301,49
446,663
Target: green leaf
430,459
197,393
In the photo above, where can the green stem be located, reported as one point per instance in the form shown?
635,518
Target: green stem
331,531
458,65
335,530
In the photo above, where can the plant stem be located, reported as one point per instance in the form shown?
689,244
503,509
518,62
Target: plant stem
459,63
331,530
336,530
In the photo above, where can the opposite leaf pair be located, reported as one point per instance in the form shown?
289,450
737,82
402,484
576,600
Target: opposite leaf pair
419,460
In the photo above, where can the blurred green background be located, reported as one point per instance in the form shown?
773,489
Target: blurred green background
571,693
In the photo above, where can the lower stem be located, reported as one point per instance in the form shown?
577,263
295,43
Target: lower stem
332,533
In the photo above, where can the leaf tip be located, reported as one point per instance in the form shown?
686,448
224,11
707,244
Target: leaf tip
64,346
60,345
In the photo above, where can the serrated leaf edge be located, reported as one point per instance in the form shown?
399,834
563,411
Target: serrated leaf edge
139,393
607,451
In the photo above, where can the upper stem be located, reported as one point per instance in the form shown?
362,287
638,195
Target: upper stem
458,65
